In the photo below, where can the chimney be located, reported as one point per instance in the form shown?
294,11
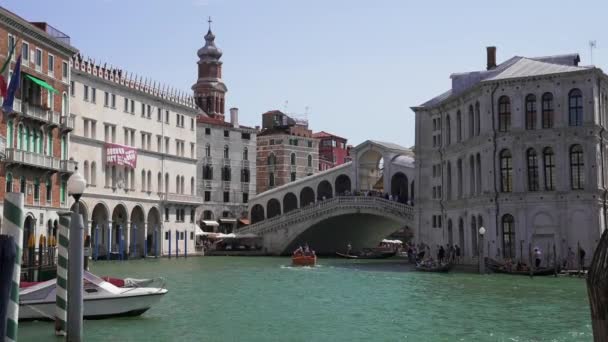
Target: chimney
491,54
234,117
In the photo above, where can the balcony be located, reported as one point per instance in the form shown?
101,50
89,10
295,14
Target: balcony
245,163
180,198
37,160
293,168
67,123
36,113
68,166
309,170
207,184
226,161
226,185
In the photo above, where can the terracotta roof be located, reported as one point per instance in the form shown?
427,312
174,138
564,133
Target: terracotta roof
324,134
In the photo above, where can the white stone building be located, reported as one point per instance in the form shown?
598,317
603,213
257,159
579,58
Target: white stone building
155,201
518,149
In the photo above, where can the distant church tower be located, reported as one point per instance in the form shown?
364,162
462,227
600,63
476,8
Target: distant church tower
209,89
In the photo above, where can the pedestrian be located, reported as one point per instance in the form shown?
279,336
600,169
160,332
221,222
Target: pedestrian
537,257
457,254
441,254
452,253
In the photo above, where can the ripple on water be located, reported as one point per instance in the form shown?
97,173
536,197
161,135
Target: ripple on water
265,299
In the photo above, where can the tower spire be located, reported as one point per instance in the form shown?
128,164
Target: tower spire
209,21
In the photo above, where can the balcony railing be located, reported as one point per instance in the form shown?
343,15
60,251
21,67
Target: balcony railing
39,113
33,159
68,166
226,185
207,183
67,123
181,198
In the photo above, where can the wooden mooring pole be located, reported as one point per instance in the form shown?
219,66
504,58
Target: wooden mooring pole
597,290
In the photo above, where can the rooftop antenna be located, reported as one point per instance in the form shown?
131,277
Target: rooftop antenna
592,45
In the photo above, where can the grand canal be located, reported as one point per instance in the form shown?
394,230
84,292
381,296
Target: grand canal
262,299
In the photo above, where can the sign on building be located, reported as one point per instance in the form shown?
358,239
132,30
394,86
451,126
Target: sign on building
121,155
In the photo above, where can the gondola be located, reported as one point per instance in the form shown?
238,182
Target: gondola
497,267
347,256
443,268
368,254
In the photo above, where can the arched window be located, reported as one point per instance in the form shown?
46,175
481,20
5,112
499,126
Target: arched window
506,171
478,173
530,112
22,184
49,189
271,179
532,161
207,150
37,189
272,160
28,140
143,180
547,108
21,137
35,141
207,172
245,175
471,122
293,159
40,141
93,180
459,175
458,126
245,154
10,132
226,173
309,161
64,104
149,181
64,147
508,237
191,186
549,166
448,131
159,182
166,183
86,172
177,182
226,152
449,180
9,182
575,107
49,142
132,179
477,119
504,114
471,175
577,168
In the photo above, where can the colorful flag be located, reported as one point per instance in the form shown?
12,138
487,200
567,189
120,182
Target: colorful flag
4,72
7,106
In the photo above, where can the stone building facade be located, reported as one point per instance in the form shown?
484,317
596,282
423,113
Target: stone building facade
518,149
225,150
35,140
286,151
153,204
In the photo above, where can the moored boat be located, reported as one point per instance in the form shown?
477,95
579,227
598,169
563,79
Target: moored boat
368,254
101,299
440,268
497,267
347,256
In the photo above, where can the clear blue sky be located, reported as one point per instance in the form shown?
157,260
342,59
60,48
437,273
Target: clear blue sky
358,65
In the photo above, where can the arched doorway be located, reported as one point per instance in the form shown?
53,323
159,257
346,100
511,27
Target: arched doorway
399,187
343,185
119,226
137,235
307,196
290,202
273,208
461,236
154,235
29,233
324,191
257,213
100,227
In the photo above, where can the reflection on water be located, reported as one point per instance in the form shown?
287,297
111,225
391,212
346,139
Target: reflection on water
265,299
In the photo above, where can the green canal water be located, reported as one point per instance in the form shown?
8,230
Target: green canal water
263,299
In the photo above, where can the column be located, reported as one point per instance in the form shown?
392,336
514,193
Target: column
127,233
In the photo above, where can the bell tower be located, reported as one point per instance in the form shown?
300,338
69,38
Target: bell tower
209,89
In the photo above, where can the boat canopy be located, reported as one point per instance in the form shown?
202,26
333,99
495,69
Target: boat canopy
395,242
210,223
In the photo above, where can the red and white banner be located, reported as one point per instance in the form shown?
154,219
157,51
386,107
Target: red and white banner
121,155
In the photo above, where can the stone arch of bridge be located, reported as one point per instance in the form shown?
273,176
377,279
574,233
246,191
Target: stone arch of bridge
290,202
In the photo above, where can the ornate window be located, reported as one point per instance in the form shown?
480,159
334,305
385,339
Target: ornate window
508,237
575,107
271,179
549,165
458,126
448,131
530,112
9,182
577,167
309,160
506,171
547,108
532,161
504,114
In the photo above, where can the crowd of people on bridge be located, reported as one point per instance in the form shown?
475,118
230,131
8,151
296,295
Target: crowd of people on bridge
375,193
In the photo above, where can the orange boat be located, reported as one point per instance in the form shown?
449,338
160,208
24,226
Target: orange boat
303,260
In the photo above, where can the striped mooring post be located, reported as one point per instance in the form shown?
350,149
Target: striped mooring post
61,302
13,226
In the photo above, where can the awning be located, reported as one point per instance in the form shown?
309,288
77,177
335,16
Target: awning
41,83
228,220
244,221
199,232
210,223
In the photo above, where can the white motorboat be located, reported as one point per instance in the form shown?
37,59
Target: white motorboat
101,299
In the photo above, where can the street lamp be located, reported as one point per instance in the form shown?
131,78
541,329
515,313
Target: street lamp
482,264
76,186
